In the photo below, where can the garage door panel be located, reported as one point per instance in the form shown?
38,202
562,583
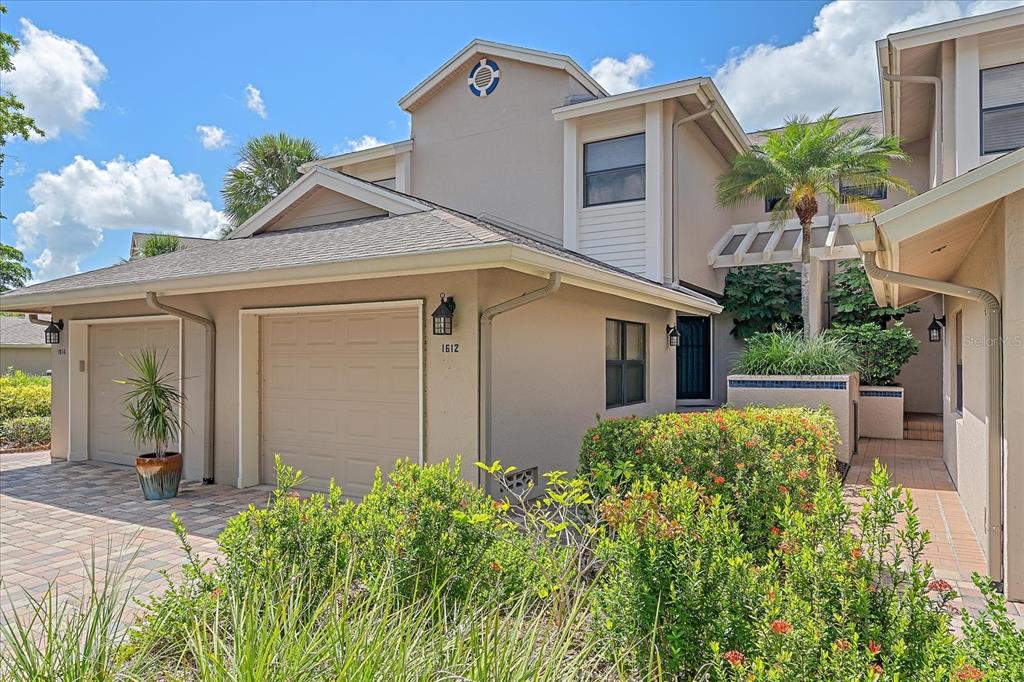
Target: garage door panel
109,344
340,394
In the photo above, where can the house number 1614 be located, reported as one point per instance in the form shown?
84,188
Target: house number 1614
449,348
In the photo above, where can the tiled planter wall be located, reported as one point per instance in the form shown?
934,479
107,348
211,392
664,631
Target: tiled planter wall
881,412
836,391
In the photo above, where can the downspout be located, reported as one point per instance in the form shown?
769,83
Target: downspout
995,396
486,317
675,185
937,119
211,370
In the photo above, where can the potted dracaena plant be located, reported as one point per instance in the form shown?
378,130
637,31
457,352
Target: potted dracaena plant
152,407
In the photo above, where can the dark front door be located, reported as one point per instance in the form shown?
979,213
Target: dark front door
693,358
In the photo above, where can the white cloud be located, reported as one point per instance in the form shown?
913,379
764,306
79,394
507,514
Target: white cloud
212,137
254,101
832,66
617,76
54,78
72,208
364,142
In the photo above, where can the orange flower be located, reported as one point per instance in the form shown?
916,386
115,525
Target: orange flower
968,672
784,490
843,645
496,567
939,586
803,474
776,530
877,669
740,465
595,438
856,552
781,627
735,658
719,480
874,647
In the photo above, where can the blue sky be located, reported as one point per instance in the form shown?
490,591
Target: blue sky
129,83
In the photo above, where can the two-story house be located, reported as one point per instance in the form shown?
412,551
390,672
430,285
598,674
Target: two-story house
485,288
958,87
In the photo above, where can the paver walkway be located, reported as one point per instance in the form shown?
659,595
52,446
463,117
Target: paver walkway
954,551
55,516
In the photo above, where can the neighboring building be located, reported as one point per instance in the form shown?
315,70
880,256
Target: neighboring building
521,175
964,238
22,346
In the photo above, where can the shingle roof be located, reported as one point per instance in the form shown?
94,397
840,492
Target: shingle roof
18,331
434,230
872,119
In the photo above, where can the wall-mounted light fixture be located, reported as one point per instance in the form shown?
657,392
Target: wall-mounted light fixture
673,335
935,328
52,332
443,315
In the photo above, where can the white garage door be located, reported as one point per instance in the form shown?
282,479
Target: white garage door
109,440
340,394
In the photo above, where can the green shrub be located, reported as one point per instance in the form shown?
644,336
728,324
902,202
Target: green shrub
754,458
827,603
24,395
431,530
764,298
24,431
794,354
881,353
854,300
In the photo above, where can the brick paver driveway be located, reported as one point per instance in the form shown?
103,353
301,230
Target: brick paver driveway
54,515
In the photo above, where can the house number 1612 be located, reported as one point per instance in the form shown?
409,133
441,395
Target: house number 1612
449,348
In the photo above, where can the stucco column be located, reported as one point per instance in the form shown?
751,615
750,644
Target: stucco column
818,291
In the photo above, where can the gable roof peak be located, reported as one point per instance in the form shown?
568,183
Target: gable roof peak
425,89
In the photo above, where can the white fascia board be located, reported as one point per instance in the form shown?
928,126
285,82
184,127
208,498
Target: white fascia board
703,88
16,346
890,100
964,193
958,28
361,190
628,99
372,154
522,54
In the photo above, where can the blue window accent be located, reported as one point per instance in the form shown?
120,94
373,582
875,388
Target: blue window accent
882,394
483,78
787,383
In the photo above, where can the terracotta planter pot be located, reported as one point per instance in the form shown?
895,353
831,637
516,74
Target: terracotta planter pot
159,476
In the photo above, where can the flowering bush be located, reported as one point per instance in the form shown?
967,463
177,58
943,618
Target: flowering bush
754,458
828,602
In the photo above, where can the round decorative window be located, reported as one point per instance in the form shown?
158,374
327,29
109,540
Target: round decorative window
483,78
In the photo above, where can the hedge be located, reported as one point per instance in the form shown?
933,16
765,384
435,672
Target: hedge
24,431
24,395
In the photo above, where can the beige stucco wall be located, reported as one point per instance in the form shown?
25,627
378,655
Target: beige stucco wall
501,154
28,360
921,377
548,365
965,435
1013,391
549,369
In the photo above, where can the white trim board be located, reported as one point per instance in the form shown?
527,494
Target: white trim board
249,399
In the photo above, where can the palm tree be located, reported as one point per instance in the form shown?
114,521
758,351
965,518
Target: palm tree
267,164
805,160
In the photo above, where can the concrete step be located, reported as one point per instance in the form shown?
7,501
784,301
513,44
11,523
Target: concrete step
921,434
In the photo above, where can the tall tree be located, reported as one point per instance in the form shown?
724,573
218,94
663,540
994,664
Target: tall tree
267,164
806,160
13,271
12,120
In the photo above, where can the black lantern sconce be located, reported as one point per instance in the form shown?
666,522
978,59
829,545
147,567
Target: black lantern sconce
673,335
52,332
935,328
443,315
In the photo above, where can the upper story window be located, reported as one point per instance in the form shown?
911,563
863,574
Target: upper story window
613,171
876,192
1002,109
